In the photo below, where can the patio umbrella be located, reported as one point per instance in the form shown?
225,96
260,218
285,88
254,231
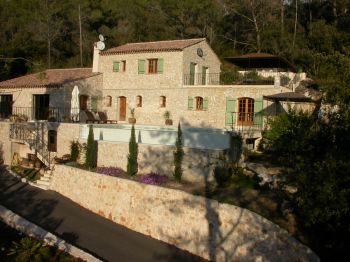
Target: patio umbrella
75,104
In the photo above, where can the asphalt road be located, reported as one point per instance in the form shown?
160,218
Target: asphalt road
97,235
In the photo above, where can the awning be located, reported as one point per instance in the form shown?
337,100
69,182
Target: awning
288,96
260,60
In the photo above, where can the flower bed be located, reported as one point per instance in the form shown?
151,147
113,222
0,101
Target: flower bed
153,179
110,171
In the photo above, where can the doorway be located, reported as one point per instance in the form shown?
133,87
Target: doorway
122,108
41,105
5,106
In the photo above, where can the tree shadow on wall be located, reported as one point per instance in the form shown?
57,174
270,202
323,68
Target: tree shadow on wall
240,235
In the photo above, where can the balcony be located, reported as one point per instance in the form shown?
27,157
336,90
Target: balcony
52,114
227,78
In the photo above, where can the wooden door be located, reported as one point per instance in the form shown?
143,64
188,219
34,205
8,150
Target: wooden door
122,108
41,105
245,111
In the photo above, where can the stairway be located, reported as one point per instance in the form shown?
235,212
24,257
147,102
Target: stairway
44,181
33,135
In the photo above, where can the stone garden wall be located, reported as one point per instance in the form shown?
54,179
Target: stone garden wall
5,144
218,232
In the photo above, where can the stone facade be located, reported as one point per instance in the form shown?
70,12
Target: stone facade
5,143
204,227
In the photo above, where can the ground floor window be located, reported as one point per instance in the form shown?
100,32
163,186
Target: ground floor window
199,103
52,141
162,101
245,111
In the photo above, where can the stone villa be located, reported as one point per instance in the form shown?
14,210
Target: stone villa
146,80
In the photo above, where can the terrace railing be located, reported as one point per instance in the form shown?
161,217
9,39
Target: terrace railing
242,122
52,114
225,78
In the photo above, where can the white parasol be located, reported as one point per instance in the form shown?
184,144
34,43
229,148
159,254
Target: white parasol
75,104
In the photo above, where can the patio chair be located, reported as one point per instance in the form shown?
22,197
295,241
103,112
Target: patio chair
103,118
91,118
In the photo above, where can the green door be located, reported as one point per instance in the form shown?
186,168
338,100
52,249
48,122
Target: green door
258,112
230,117
192,72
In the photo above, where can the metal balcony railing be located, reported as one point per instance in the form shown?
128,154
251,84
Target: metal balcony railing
244,121
225,78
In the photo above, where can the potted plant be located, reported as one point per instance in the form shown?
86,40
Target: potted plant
168,121
132,119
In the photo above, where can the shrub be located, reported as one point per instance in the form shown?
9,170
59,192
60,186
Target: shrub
153,179
29,249
110,171
91,150
178,155
74,150
132,166
222,175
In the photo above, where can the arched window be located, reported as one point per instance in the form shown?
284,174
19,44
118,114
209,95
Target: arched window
108,101
199,103
52,141
162,101
245,111
138,101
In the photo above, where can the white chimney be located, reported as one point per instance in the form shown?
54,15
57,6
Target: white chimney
96,58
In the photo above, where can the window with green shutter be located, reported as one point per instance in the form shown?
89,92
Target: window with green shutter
160,66
94,103
205,103
190,103
115,66
141,66
258,112
230,116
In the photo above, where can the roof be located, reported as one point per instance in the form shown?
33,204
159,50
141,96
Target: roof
260,60
159,46
48,78
288,96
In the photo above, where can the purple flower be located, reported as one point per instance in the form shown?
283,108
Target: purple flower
153,179
110,171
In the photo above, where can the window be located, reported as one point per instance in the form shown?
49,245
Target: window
115,66
245,111
162,101
52,141
108,101
123,66
152,66
119,66
83,102
139,101
199,103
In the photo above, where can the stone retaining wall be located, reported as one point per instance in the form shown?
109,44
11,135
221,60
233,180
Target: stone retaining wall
218,232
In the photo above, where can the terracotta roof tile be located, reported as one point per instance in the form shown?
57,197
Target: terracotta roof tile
48,78
159,46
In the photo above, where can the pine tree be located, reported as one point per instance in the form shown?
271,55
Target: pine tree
178,155
91,150
132,166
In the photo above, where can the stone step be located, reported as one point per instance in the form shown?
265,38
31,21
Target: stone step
48,175
43,178
43,187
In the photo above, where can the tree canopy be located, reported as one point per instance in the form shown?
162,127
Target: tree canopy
42,34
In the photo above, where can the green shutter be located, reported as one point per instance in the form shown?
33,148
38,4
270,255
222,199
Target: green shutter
94,103
204,75
192,70
258,112
205,103
115,66
160,63
141,66
190,103
230,117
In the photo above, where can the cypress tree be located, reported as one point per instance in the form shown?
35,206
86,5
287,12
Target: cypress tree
178,155
132,166
91,150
